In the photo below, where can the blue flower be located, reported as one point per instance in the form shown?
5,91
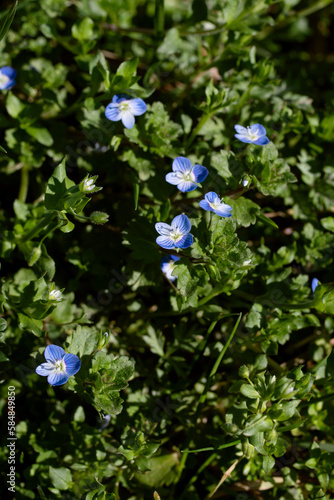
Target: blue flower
314,284
175,236
7,77
255,134
124,107
185,175
59,366
214,204
167,266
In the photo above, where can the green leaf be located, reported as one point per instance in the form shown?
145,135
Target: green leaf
41,134
249,391
61,477
5,25
32,325
56,188
83,342
3,324
268,463
162,471
258,424
14,105
83,30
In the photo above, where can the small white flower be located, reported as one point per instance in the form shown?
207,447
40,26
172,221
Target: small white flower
245,182
55,295
247,262
88,185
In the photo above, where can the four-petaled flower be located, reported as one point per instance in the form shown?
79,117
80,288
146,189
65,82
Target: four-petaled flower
255,134
213,203
167,266
185,175
124,107
7,77
314,284
55,295
59,366
175,235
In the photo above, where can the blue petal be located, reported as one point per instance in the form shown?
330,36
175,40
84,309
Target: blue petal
163,228
205,205
58,378
174,257
185,241
165,242
8,71
200,173
182,164
240,130
137,106
173,178
314,284
164,261
243,138
223,211
44,369
262,141
120,97
211,197
112,112
54,353
186,186
258,129
128,119
182,223
72,363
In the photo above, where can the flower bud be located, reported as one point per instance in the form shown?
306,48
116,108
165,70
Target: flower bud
99,218
243,371
34,256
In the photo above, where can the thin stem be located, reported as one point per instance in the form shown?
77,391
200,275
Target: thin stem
211,448
159,18
194,133
23,192
203,397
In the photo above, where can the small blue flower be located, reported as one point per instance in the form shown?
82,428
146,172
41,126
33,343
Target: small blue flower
175,236
214,204
59,366
255,134
314,284
124,107
167,266
185,175
7,77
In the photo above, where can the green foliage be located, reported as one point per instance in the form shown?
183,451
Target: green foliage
173,391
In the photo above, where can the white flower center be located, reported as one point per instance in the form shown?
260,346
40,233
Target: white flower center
176,235
124,106
59,365
252,135
215,204
4,79
187,176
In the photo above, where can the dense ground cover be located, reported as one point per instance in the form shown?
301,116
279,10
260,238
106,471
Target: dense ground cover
201,365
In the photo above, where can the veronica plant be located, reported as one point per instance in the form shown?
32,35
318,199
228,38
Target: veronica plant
168,265
7,77
255,134
59,366
176,235
185,175
124,107
213,203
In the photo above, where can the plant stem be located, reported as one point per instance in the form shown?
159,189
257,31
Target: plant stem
194,133
159,19
24,184
203,398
